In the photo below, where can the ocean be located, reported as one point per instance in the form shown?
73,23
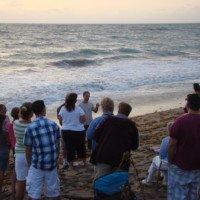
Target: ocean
138,63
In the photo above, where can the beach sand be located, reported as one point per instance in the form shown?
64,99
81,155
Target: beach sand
77,184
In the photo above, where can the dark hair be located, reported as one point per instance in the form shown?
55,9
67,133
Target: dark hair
86,92
193,102
26,110
38,107
2,119
15,113
124,108
2,108
70,101
196,87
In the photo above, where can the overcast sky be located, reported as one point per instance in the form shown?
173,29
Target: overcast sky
100,11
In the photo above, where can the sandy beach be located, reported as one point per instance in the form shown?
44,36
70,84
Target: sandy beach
144,53
77,184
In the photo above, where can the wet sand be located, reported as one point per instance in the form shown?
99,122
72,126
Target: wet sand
77,184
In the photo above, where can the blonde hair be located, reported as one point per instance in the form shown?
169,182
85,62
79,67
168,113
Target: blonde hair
107,104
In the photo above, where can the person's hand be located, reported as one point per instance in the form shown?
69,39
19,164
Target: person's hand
97,105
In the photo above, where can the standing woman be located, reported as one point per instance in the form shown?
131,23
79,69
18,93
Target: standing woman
4,149
72,119
15,115
21,166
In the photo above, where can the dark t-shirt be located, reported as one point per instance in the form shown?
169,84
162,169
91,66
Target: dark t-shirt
114,137
4,140
186,130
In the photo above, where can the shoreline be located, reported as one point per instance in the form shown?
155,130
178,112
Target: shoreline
143,102
141,105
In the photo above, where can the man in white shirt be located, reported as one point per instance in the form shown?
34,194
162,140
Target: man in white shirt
88,107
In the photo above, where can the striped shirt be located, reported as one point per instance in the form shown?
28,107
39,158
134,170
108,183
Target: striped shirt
19,130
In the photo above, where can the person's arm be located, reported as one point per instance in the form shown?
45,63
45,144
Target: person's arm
135,138
28,155
58,136
11,135
8,140
58,151
175,131
8,134
90,130
96,108
28,143
60,114
172,149
59,119
82,118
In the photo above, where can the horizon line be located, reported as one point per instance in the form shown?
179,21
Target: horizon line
98,23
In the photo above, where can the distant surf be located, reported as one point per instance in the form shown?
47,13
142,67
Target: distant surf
47,61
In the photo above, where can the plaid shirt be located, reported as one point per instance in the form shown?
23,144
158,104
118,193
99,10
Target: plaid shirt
183,184
43,136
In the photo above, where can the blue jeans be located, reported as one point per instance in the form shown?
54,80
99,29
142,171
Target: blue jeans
183,184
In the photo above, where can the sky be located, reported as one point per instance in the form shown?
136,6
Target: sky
99,11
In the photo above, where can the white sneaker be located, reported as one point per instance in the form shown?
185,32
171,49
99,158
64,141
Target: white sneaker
145,182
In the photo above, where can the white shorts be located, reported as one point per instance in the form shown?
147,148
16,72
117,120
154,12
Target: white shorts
39,181
21,166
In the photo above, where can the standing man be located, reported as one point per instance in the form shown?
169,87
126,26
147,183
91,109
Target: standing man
107,106
42,140
88,107
183,153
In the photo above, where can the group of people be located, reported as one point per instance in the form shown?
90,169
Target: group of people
179,158
36,145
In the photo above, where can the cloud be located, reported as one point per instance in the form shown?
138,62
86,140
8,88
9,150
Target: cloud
13,3
99,11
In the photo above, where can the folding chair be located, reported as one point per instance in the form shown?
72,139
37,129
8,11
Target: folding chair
114,186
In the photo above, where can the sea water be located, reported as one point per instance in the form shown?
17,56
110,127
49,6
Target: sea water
138,63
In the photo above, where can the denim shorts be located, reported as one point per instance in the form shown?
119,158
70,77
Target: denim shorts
4,155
